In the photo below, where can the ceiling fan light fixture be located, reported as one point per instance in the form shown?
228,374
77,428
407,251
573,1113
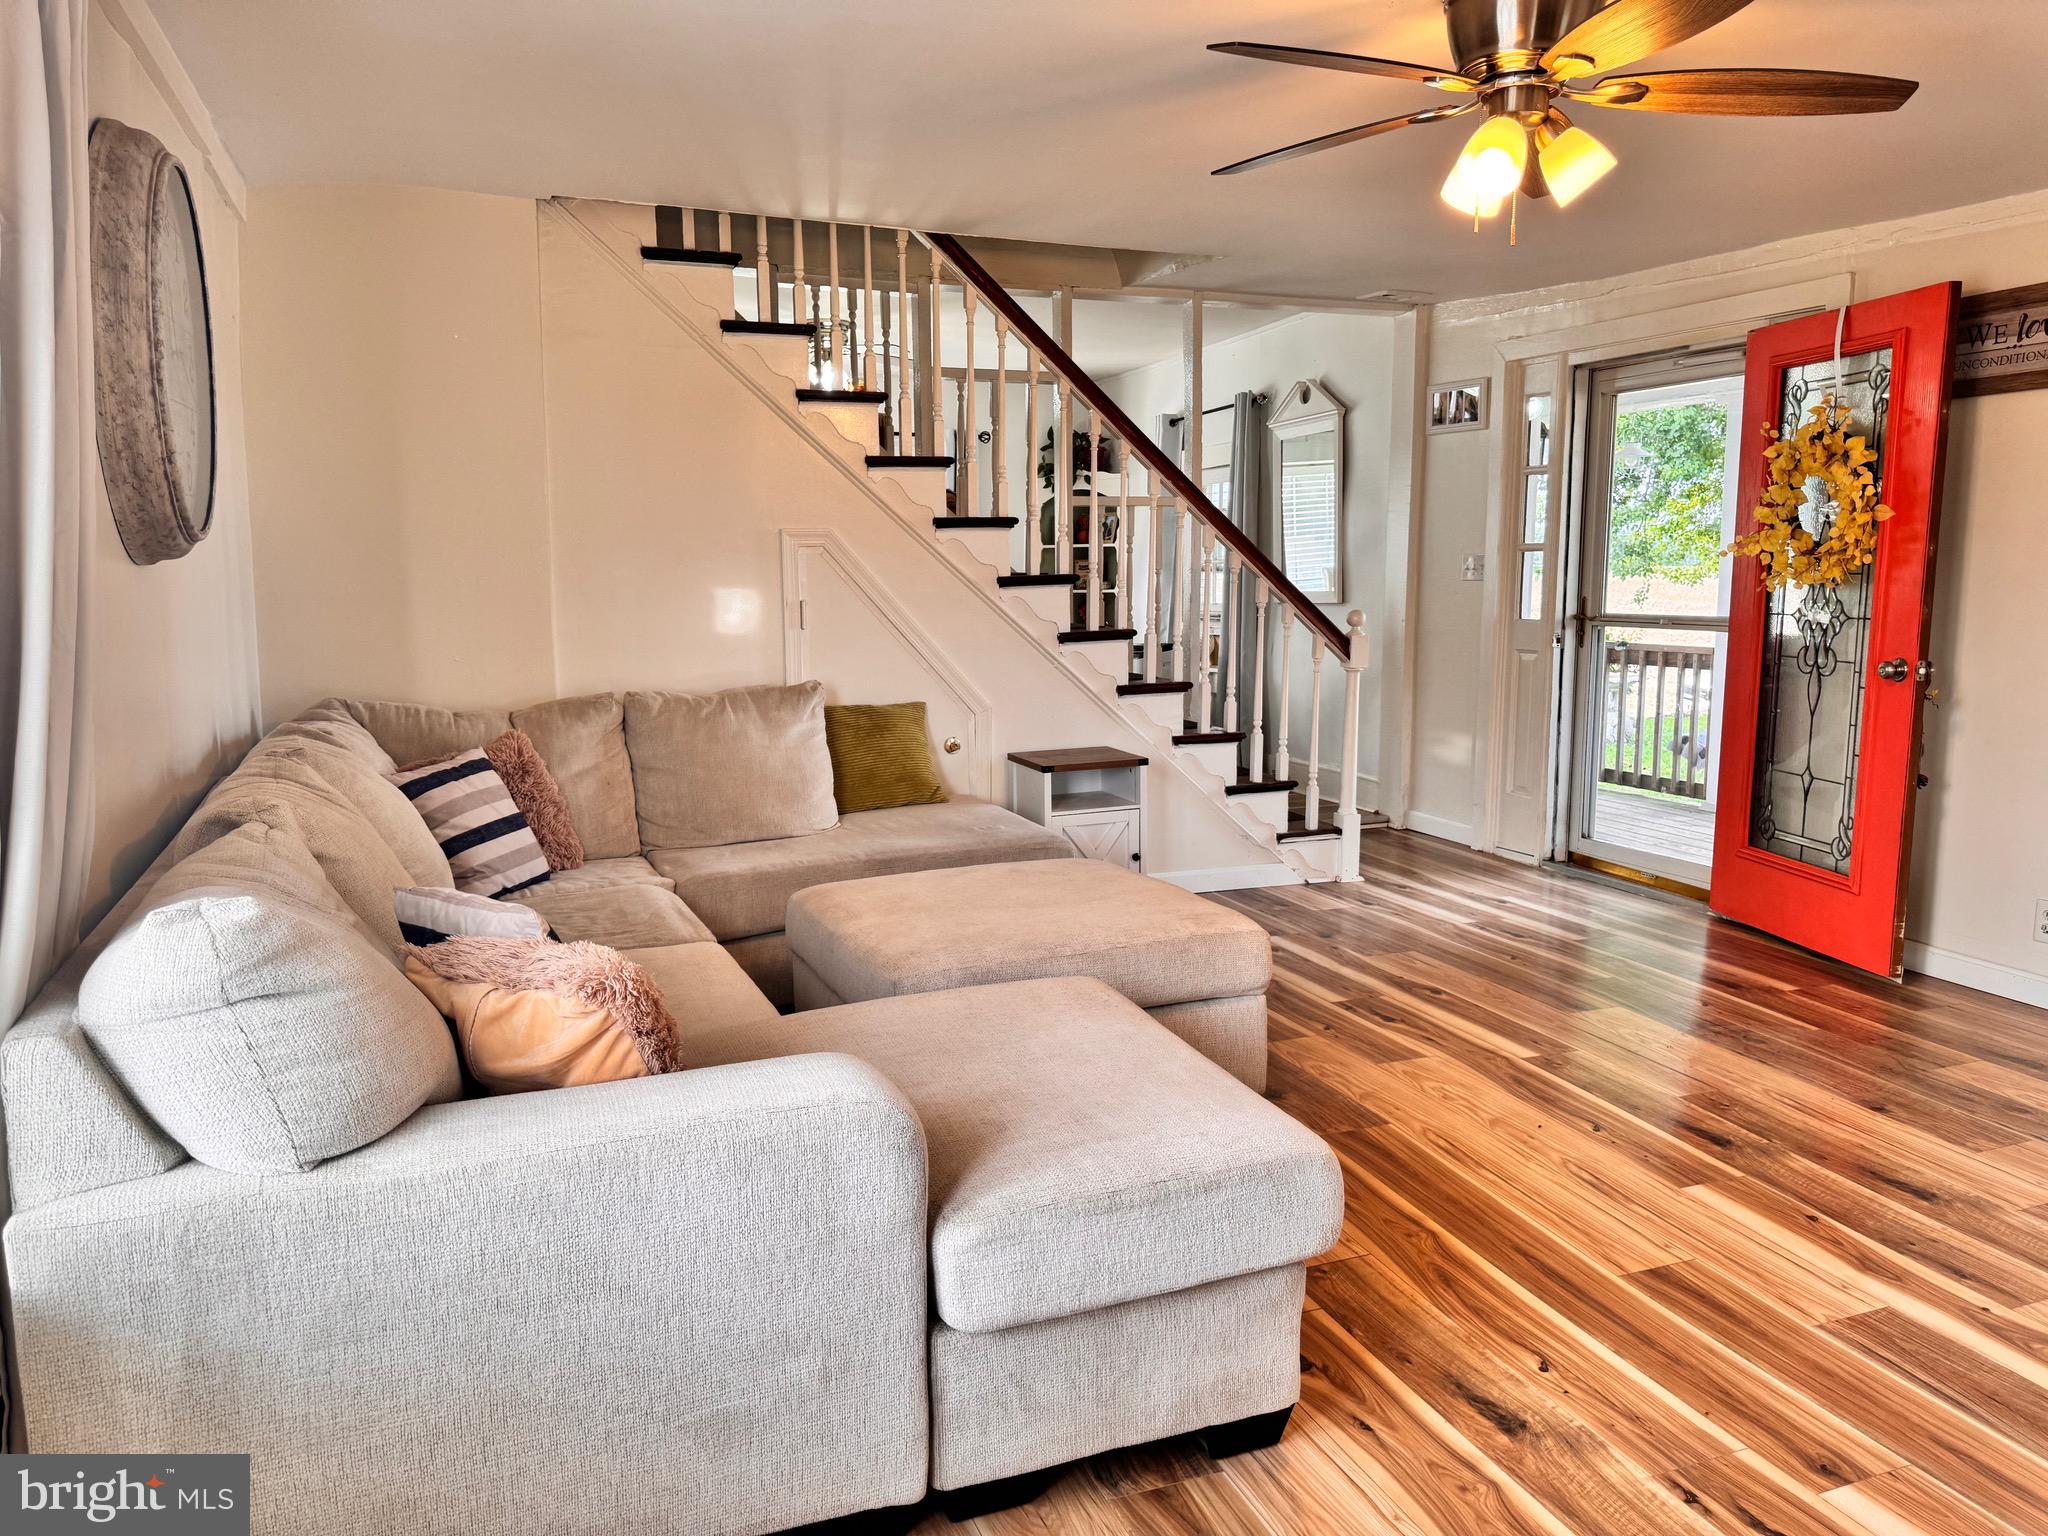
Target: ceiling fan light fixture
1572,162
1489,169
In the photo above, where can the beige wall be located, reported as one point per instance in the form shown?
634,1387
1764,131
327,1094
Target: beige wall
171,648
398,451
1981,856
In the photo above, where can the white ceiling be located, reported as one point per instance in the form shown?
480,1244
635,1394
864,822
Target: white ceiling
1087,123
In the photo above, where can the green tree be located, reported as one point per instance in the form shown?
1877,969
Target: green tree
1667,494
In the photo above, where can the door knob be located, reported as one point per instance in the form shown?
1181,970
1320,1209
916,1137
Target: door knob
1893,671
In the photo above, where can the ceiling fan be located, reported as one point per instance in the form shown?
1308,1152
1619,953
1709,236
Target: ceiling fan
1520,61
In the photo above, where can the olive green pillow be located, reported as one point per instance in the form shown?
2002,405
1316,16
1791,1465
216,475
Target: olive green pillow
881,756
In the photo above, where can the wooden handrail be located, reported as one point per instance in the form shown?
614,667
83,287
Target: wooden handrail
1108,411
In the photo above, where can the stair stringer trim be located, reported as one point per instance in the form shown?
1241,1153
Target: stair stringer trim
848,459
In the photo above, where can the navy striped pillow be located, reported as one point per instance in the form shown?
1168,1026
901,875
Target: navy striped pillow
490,848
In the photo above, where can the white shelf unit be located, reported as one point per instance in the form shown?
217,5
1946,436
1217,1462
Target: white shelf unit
1093,796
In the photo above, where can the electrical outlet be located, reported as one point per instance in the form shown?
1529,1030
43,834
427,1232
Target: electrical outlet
2041,922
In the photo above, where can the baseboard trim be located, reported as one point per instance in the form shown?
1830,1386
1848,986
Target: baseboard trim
1242,877
1978,975
1439,826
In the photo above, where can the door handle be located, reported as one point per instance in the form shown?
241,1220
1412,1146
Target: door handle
1893,671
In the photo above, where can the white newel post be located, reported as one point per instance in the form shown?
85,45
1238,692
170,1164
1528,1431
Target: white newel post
999,441
1158,543
902,435
1283,766
764,277
1257,755
1313,807
1347,792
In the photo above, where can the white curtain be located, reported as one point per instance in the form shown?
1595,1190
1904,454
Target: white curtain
47,469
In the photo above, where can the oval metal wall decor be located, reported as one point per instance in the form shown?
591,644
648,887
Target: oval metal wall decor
152,345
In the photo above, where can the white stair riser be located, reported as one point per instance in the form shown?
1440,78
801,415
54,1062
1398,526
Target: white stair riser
1268,805
1219,757
925,487
1112,658
856,423
787,356
991,546
1319,853
1162,709
706,285
1052,604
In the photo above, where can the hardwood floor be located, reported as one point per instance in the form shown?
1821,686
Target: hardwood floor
1653,1226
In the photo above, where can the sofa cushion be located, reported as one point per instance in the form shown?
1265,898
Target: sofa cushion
742,889
940,928
250,1016
706,990
626,912
330,723
732,767
355,778
1081,1156
419,733
583,742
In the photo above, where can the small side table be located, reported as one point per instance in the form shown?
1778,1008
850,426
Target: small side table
1094,795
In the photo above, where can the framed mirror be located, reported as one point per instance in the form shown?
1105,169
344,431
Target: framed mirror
1305,434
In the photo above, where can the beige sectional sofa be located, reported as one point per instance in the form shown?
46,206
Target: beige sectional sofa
945,1240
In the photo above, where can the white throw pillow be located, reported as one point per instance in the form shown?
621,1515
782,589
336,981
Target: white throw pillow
250,1015
427,915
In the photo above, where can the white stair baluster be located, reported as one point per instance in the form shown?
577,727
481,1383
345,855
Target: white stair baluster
1126,579
689,229
725,232
933,364
871,370
902,434
1158,543
970,435
1257,753
1063,481
1347,791
1283,766
1313,804
999,441
764,276
836,373
799,295
1183,605
1233,620
1094,523
1034,535
1205,674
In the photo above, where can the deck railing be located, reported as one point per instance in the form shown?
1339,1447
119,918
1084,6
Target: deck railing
1208,612
1657,705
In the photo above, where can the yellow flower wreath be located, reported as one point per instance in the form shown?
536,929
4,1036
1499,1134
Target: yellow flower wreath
1823,465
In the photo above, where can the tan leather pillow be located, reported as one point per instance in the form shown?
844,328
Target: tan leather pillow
533,1014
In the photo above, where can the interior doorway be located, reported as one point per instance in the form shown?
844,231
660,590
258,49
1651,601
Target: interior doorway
1655,508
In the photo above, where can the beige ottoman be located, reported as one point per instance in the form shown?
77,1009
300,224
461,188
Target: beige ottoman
1198,968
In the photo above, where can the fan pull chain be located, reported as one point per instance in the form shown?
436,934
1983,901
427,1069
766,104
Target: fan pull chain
1514,208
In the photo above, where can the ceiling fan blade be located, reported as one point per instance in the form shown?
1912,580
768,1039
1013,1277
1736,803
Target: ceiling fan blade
1629,30
1345,136
1443,78
1750,92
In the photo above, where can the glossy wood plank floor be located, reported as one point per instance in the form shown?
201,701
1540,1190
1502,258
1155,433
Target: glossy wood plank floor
1654,1226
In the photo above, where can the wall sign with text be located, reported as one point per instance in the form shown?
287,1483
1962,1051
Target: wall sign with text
2002,341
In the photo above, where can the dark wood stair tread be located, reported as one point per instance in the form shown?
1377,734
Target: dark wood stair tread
1084,636
768,328
910,461
677,256
1257,786
1191,737
842,397
974,522
1139,685
1027,579
1297,833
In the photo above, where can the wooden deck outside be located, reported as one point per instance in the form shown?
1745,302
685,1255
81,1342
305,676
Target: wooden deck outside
1669,825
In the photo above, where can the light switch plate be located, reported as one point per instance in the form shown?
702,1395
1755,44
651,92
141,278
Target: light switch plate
1475,567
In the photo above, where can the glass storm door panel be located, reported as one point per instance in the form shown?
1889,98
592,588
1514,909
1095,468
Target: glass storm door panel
1821,747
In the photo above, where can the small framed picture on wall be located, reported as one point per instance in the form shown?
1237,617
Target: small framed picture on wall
1459,406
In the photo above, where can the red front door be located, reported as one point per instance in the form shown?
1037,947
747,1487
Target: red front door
1820,748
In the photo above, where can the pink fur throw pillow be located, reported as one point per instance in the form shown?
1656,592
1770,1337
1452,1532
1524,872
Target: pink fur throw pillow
530,1014
538,796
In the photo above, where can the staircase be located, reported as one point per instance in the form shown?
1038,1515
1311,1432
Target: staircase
1182,625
